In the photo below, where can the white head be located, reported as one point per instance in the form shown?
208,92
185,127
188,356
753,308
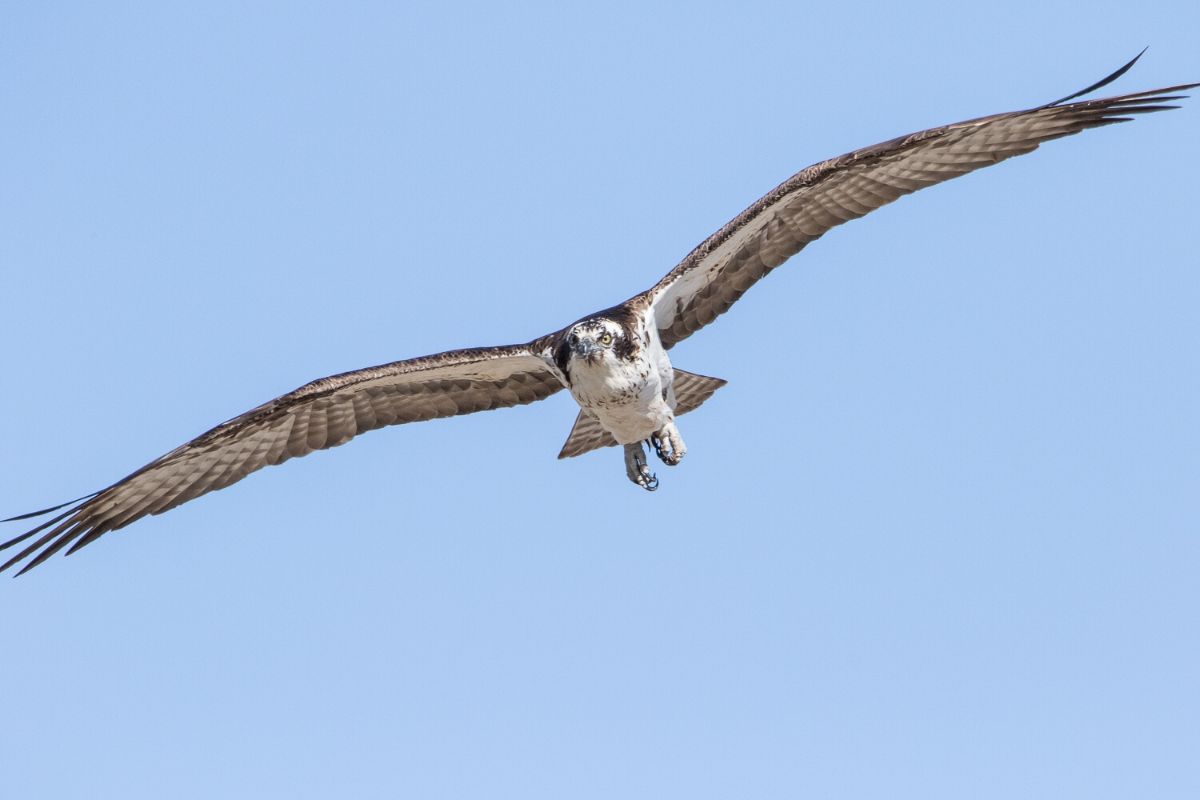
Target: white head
596,341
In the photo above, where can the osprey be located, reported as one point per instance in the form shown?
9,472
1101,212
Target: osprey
615,362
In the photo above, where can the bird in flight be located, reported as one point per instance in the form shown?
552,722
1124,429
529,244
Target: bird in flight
614,362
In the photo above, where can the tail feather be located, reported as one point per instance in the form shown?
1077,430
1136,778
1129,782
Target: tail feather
587,434
691,390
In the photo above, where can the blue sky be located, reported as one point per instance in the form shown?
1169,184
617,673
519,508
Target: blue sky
937,538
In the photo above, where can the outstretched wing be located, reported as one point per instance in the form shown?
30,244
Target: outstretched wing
823,196
317,416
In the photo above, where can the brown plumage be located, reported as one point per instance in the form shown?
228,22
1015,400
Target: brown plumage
319,415
814,200
331,411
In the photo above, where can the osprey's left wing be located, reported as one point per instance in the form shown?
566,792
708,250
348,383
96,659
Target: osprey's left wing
805,206
319,415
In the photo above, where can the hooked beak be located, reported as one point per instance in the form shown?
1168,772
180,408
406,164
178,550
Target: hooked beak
584,348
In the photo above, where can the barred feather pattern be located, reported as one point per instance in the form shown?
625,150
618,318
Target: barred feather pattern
320,415
819,198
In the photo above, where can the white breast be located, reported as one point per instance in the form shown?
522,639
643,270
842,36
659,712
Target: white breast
630,398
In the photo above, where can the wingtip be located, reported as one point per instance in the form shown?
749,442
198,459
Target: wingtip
1105,81
64,529
32,514
7,564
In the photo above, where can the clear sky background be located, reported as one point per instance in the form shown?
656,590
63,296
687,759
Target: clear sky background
937,538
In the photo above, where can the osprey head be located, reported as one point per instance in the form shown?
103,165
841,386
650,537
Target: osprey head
596,340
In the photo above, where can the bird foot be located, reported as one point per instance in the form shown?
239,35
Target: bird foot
637,469
668,445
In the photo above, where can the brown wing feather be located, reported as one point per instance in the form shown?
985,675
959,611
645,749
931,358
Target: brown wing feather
317,416
823,196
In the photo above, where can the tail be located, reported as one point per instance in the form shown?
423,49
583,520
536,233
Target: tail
690,391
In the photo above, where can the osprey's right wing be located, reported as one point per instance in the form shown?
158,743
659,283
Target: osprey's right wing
319,415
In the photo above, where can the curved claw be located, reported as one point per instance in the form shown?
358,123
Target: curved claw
649,481
637,469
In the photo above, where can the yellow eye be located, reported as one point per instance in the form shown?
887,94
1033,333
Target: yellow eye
606,339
